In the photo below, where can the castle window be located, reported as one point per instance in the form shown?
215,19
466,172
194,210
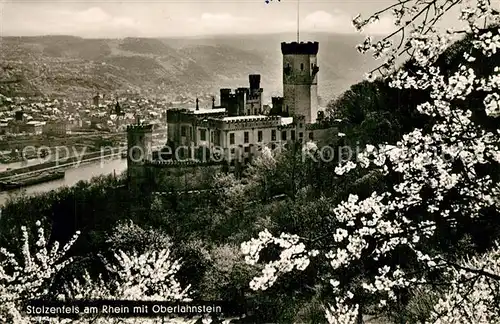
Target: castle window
311,136
286,108
292,135
273,135
283,135
300,125
259,136
248,111
302,66
247,149
203,134
183,131
287,69
301,136
231,138
246,137
233,150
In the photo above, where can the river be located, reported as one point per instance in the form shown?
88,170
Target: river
85,171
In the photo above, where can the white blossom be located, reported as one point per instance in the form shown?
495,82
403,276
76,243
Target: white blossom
30,278
373,227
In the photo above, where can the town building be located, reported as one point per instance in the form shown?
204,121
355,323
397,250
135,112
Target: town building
33,127
56,128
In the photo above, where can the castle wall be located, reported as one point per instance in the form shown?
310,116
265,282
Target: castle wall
300,69
253,105
298,99
180,133
293,132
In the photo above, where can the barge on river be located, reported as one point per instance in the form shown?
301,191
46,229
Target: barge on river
29,180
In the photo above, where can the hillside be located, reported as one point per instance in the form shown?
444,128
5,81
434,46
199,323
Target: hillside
75,67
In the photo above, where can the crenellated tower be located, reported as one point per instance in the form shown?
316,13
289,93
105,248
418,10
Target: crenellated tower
300,79
139,150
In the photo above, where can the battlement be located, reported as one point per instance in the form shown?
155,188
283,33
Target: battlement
189,192
247,119
287,126
179,164
277,100
309,48
241,90
142,128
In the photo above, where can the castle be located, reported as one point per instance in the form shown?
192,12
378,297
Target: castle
235,130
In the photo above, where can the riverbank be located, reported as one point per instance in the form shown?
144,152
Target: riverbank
52,141
73,174
51,165
23,181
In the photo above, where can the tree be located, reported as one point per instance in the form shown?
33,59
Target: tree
474,291
149,275
445,179
32,277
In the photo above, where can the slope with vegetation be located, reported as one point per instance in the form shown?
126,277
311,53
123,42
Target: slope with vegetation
71,66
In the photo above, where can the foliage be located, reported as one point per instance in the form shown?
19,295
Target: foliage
473,293
128,235
444,182
134,276
131,276
32,277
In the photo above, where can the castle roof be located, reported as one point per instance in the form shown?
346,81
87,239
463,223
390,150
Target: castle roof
286,120
208,111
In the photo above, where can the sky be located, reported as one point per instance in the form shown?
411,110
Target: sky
164,18
181,18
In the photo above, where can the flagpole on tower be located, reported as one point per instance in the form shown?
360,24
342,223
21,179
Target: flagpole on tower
298,21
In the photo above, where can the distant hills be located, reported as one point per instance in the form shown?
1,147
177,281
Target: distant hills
76,67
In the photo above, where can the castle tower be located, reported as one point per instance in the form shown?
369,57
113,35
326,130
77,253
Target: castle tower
139,150
300,79
254,100
225,93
